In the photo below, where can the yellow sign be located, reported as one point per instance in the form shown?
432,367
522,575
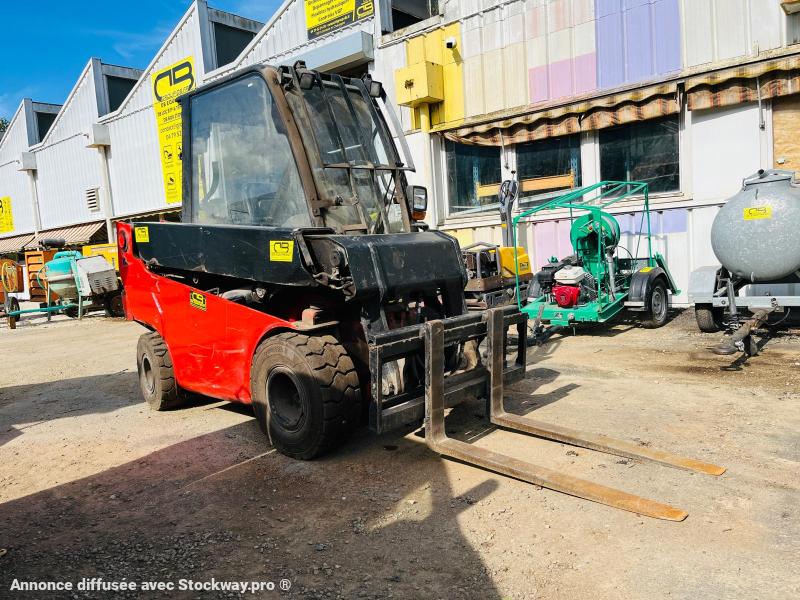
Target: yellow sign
281,250
197,300
324,16
107,251
754,213
645,270
168,84
6,216
141,234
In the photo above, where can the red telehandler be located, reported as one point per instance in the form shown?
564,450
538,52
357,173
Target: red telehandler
302,281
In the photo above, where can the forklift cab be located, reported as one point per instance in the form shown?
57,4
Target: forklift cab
293,148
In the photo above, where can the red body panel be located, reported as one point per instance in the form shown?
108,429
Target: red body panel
212,348
566,295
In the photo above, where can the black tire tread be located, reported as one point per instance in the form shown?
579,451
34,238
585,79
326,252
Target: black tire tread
650,322
336,375
170,393
706,321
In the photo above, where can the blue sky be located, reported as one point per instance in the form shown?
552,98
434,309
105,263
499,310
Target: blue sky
44,52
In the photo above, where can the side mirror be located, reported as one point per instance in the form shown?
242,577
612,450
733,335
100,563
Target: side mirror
417,196
374,88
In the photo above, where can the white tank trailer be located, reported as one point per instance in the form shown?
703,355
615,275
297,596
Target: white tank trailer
756,238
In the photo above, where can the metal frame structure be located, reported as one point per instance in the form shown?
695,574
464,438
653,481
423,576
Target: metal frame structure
593,199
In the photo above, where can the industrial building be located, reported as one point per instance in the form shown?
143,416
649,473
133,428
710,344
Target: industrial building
688,95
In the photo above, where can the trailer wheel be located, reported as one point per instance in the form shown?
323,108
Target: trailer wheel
658,305
305,392
156,377
113,304
13,307
709,319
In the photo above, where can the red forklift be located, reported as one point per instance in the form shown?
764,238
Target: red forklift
303,281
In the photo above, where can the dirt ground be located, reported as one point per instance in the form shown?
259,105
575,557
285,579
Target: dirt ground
93,484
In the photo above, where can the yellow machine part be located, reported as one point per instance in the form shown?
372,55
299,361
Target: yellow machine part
507,261
11,278
109,251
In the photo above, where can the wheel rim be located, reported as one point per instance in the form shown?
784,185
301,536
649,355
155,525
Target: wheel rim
148,375
285,400
658,303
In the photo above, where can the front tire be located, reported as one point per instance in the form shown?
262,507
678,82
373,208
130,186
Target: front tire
156,375
658,306
305,393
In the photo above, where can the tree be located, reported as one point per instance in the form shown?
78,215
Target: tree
3,125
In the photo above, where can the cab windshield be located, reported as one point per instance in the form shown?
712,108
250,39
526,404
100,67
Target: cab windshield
243,170
353,157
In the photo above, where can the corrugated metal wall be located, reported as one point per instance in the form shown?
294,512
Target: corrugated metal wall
718,30
136,175
13,182
66,167
518,53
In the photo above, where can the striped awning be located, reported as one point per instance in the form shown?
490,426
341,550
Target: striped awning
586,115
744,83
14,243
72,236
148,214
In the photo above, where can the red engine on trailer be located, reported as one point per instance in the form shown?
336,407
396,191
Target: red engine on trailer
566,295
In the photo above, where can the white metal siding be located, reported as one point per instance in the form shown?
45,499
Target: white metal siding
66,167
14,183
717,30
725,149
66,170
136,177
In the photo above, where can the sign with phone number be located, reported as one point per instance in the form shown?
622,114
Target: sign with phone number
325,16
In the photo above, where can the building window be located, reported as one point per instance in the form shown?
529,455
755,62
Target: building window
642,151
546,166
399,14
473,177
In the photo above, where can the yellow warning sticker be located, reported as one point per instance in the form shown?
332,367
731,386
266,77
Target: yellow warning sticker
197,300
753,213
6,216
645,270
281,250
169,83
141,234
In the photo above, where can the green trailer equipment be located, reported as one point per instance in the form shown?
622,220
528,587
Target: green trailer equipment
602,278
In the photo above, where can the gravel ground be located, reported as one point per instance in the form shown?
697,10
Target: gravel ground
93,484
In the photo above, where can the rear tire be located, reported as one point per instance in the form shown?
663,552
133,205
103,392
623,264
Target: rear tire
305,393
709,319
658,306
156,375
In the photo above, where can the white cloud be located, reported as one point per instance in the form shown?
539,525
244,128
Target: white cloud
133,45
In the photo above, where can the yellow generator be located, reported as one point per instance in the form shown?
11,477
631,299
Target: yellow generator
491,269
107,251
